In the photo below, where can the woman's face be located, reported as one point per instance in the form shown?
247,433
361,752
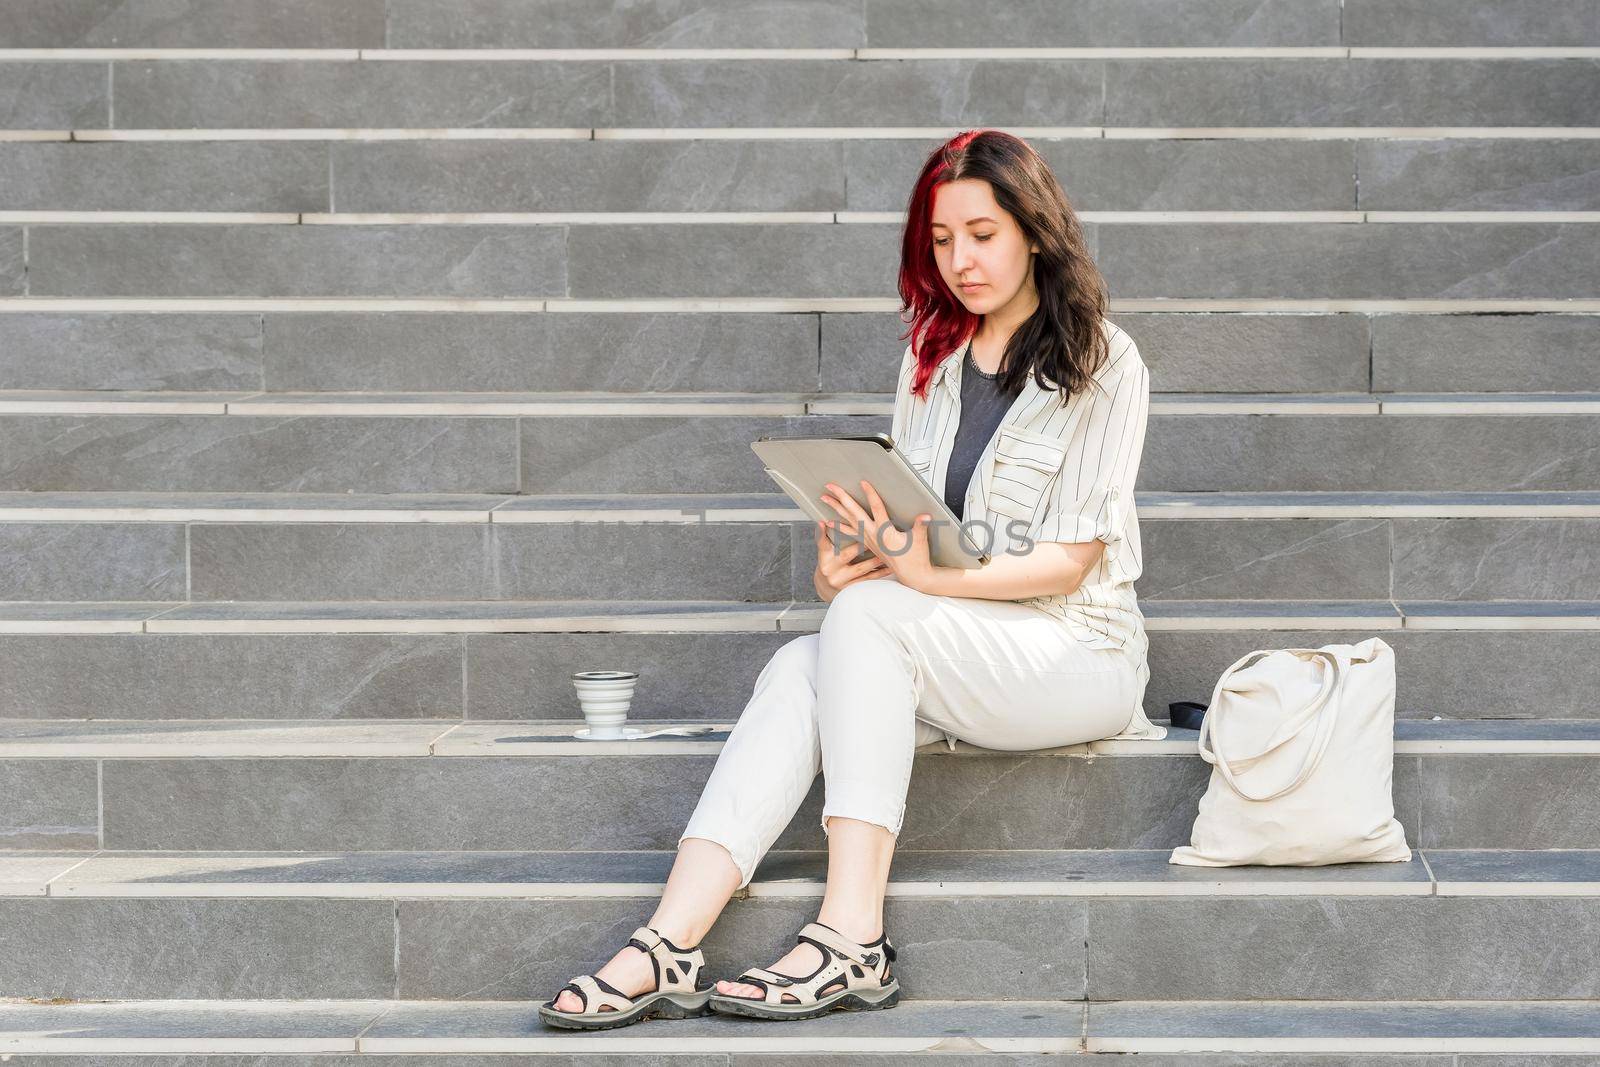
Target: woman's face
976,241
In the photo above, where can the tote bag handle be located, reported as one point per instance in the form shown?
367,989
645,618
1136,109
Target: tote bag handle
1291,728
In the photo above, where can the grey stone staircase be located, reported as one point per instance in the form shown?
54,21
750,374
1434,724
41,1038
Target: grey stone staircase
368,367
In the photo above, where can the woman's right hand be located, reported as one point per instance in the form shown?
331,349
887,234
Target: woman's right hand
834,569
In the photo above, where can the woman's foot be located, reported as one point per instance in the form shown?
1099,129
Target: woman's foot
675,989
802,960
629,970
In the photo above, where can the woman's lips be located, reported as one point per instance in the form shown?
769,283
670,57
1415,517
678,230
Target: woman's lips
970,288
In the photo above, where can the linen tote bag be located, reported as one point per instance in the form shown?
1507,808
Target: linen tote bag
1301,747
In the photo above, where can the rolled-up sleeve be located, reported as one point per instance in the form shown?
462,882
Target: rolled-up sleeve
1094,493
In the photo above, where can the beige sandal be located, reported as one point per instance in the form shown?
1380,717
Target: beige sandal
850,976
682,995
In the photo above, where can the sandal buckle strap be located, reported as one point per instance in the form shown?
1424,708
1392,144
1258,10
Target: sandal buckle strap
761,974
840,944
675,969
644,938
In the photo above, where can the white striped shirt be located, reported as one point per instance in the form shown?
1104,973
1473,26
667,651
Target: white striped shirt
1053,472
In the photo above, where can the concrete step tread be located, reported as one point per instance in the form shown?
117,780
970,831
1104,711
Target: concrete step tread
839,51
366,738
556,616
638,616
513,1026
119,506
782,873
972,1027
403,28
1346,1027
25,401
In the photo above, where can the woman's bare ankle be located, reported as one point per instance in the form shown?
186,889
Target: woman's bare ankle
861,929
680,935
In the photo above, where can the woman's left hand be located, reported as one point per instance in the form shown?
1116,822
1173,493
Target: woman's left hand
906,552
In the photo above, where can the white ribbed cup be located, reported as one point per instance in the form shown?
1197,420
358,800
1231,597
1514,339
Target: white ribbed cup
604,697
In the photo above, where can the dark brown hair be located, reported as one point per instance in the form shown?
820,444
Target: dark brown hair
1063,340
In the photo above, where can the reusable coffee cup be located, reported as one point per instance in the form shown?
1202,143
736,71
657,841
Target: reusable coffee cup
604,697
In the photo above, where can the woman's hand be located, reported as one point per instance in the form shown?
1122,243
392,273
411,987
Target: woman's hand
905,552
833,570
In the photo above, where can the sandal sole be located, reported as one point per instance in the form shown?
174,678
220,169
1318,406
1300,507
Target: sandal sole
665,1006
851,1000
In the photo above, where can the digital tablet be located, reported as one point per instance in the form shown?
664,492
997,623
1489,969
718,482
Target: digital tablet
803,467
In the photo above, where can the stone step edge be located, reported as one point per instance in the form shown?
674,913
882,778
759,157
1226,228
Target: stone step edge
770,304
755,217
20,506
508,1027
625,53
108,874
775,133
467,617
57,739
575,404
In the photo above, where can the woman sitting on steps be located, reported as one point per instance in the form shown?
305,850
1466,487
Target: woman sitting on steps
1020,403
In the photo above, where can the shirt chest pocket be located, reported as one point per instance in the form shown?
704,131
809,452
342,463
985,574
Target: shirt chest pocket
1024,464
919,457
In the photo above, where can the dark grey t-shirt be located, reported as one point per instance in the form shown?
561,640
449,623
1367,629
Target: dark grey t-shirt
983,405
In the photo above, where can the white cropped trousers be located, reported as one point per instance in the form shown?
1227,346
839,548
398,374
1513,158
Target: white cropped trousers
891,669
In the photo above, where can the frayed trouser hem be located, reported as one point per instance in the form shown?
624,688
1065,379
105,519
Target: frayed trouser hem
865,804
742,855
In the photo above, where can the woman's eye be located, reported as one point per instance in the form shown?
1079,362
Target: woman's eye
941,242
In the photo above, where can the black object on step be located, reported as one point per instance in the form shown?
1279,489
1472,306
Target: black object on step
1186,714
